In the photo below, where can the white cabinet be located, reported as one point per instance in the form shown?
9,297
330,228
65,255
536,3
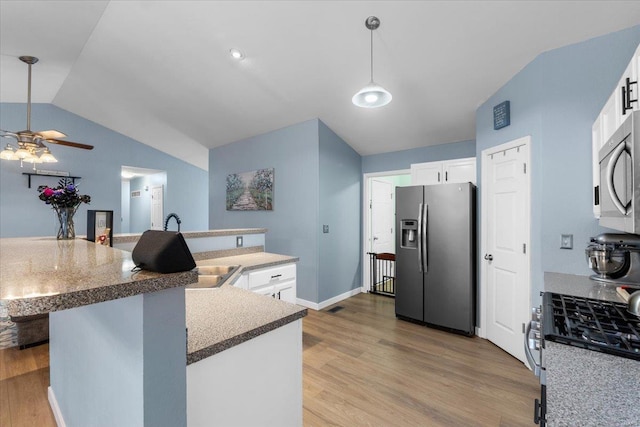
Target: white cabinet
277,282
286,291
610,118
426,173
242,282
444,172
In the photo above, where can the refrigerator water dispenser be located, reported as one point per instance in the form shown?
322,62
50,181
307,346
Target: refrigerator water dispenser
409,230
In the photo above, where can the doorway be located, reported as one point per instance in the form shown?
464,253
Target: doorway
505,273
379,215
137,186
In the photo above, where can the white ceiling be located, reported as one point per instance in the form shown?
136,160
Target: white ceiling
160,71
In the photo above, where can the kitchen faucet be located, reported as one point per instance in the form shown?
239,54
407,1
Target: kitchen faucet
172,215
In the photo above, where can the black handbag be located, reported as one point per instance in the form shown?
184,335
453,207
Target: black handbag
162,252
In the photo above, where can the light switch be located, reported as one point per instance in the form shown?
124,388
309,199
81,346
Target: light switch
566,241
238,241
325,228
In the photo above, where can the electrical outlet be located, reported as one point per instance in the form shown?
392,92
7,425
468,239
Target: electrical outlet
238,241
325,228
566,241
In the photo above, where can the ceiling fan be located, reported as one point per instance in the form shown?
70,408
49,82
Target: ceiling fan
30,143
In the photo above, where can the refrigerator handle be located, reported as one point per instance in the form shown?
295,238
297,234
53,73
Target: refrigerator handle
425,238
420,237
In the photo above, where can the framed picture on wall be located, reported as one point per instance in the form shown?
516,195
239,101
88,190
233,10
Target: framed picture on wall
250,191
100,227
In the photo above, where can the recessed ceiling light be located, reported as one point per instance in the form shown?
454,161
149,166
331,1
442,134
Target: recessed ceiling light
236,54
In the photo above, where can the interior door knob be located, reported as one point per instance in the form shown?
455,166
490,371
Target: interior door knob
488,257
375,238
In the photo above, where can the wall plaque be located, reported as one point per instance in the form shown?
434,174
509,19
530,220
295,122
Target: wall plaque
501,115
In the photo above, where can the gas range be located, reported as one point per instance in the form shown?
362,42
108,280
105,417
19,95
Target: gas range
591,324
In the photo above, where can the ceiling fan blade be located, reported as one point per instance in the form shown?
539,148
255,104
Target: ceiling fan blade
50,134
8,134
69,143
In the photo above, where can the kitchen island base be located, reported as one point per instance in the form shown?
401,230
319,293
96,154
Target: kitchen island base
258,382
120,362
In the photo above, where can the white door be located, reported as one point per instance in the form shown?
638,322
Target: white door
505,201
157,214
382,221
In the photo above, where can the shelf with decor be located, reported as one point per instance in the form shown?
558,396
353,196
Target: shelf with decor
48,175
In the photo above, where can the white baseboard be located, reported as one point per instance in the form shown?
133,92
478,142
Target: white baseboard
55,408
330,301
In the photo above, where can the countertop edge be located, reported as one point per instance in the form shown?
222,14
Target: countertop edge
130,238
24,307
206,352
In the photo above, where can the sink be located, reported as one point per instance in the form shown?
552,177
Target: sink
222,270
212,276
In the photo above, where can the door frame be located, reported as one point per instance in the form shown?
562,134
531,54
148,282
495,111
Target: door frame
481,330
366,223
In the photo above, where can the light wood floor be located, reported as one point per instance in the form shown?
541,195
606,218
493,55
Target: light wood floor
362,367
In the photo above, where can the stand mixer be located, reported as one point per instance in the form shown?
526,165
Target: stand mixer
615,258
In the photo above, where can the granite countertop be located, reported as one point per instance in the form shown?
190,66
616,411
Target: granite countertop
220,318
580,286
133,237
42,274
251,261
225,316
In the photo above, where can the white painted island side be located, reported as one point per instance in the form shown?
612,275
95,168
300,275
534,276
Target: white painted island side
244,357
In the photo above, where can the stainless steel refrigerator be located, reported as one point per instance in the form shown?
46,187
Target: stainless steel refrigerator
436,255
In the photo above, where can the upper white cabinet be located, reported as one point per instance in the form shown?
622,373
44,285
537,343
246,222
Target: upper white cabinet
445,172
610,118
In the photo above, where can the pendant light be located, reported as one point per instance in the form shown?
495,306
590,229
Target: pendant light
372,95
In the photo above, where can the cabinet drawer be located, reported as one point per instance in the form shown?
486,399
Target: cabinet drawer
271,275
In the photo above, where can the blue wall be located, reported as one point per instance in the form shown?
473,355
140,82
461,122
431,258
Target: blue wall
340,207
399,160
292,225
23,214
556,99
317,181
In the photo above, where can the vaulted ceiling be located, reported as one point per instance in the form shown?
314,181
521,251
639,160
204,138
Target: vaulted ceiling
160,71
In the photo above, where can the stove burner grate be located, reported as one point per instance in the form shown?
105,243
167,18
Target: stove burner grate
592,324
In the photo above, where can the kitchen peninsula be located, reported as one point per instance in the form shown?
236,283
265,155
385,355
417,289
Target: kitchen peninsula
117,344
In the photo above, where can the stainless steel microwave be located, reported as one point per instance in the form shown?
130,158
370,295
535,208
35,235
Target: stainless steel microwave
620,177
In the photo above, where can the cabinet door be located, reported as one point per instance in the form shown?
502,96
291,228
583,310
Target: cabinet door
267,291
286,291
242,282
459,171
426,173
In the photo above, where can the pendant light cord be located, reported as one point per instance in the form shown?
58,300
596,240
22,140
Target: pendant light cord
371,31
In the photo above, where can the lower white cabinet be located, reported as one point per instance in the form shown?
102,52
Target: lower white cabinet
276,282
242,282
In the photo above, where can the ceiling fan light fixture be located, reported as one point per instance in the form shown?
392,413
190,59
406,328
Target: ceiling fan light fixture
23,154
8,153
372,95
47,157
30,144
33,159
